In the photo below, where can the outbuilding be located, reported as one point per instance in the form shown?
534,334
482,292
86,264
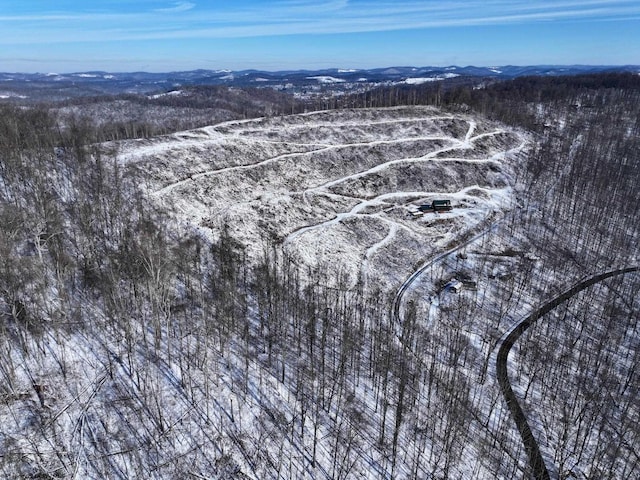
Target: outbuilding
454,286
441,205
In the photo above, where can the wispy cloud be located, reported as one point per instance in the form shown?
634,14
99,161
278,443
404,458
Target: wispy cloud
290,17
311,6
177,7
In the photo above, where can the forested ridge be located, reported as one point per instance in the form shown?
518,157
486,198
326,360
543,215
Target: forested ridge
135,347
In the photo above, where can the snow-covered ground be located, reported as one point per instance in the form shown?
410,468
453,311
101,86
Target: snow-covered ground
335,387
337,187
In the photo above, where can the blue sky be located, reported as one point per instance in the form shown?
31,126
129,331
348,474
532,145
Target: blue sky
155,35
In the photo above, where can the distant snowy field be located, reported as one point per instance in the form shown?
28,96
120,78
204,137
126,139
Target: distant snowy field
337,187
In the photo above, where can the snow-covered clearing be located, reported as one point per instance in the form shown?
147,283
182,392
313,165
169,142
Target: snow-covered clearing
332,185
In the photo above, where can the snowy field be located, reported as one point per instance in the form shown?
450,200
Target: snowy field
338,187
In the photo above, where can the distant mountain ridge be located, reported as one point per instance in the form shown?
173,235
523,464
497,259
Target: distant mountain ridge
100,82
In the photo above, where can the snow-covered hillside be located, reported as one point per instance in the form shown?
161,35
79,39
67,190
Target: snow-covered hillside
338,187
264,299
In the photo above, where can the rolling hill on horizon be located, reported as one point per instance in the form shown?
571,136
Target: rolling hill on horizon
21,86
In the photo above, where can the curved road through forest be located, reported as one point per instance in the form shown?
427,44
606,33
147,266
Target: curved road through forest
402,289
532,448
507,341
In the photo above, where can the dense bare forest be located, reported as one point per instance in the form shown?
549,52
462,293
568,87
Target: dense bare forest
133,346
